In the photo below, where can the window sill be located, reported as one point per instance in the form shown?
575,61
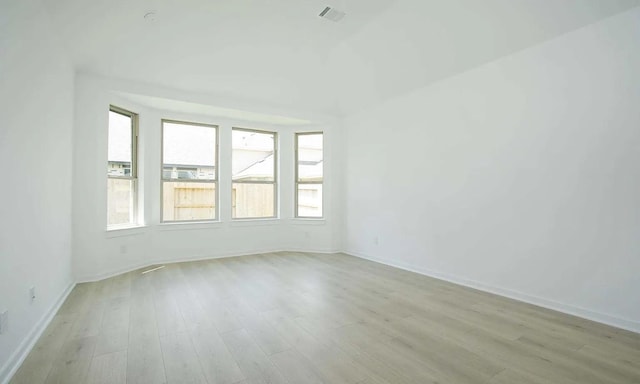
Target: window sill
254,222
129,230
189,225
308,221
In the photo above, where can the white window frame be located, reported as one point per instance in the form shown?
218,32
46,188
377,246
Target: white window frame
214,182
275,174
297,181
133,177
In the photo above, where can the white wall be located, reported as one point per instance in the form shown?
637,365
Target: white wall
99,253
520,177
36,117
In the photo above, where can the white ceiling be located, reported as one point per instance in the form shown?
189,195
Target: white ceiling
280,53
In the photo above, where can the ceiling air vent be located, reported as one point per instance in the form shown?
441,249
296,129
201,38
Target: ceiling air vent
332,14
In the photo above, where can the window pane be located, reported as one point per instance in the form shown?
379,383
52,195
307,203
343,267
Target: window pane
188,151
188,201
309,200
310,158
253,156
253,200
120,201
119,149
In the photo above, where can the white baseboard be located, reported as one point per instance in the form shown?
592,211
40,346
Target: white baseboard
133,267
21,353
629,325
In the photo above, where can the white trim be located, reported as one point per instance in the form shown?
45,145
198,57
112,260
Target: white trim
189,225
255,222
307,250
132,230
102,276
307,221
629,325
25,347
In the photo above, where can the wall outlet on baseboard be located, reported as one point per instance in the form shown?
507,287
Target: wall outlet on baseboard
4,321
32,293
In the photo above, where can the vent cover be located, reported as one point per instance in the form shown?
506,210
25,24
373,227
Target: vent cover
332,14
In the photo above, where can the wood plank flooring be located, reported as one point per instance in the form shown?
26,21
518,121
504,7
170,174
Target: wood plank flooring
309,318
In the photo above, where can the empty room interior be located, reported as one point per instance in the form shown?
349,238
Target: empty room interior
313,191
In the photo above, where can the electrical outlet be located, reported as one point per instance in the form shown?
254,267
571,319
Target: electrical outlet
4,321
32,293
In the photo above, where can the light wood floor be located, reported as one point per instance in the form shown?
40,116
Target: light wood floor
305,318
